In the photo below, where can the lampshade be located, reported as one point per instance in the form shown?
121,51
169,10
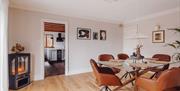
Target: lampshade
137,36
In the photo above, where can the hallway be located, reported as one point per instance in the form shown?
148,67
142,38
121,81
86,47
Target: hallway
54,68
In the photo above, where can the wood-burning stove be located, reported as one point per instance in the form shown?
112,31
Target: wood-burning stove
19,70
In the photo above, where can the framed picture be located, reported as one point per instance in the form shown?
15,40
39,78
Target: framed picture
95,35
102,34
49,41
158,36
84,33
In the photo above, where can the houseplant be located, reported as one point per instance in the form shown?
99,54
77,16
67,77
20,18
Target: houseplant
176,45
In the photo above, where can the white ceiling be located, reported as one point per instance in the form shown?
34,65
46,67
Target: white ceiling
114,12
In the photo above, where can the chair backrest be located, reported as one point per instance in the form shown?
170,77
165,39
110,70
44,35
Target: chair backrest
94,67
122,56
169,79
105,57
163,57
104,79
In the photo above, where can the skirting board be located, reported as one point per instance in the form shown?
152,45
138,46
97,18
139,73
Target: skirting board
79,71
74,72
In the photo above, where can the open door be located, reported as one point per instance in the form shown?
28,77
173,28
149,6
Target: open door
54,48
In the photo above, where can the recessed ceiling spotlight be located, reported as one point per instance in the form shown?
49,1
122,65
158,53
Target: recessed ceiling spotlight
110,1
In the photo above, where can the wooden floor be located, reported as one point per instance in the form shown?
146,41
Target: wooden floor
80,82
56,68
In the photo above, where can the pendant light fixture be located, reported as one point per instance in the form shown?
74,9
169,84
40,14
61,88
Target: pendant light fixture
138,36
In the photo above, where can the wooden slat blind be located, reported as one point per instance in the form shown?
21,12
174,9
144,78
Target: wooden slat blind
54,27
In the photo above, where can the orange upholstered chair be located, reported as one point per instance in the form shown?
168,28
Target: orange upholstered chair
104,77
169,80
108,57
122,56
161,57
105,57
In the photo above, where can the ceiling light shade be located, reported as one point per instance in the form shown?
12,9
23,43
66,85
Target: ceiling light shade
138,36
111,1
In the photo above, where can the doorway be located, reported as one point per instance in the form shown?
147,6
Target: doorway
54,48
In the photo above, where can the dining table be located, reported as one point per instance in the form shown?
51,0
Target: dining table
138,67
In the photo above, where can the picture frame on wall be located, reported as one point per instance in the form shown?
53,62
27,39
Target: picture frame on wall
83,33
95,36
49,41
102,34
158,36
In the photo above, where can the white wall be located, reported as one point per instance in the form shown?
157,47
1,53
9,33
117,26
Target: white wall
170,19
3,45
25,27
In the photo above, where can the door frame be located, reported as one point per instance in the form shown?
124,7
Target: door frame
66,44
4,80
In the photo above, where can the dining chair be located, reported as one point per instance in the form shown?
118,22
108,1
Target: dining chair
108,57
122,56
168,81
105,57
107,78
160,57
